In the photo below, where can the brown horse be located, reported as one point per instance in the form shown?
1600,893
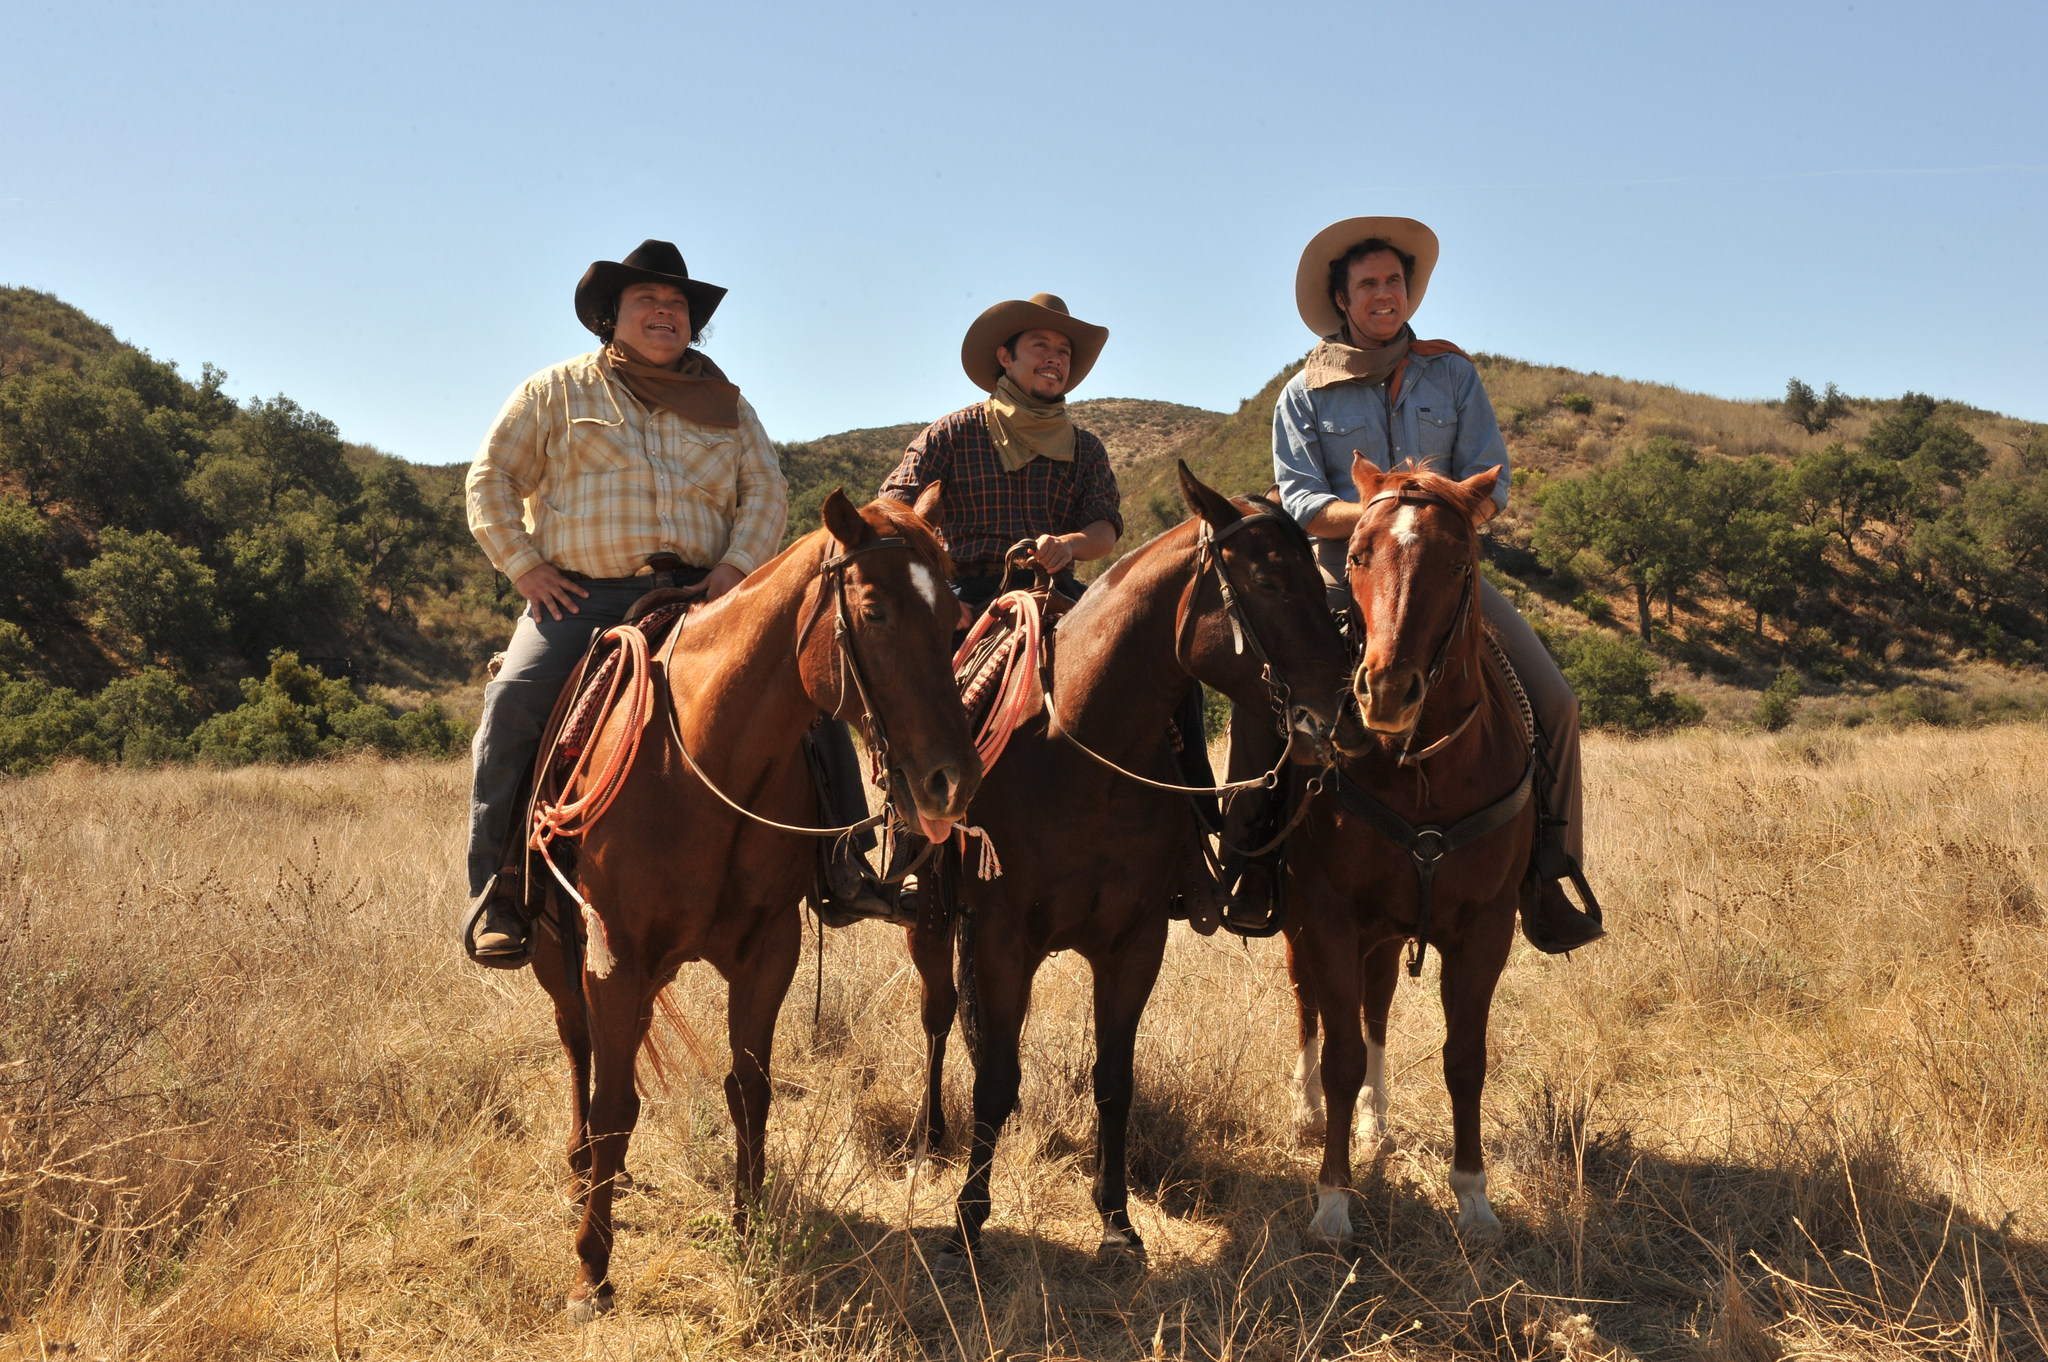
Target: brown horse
1093,858
1424,838
854,620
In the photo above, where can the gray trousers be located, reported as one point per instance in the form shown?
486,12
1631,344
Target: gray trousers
1550,696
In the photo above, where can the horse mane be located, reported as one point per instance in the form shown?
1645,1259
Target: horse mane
1434,483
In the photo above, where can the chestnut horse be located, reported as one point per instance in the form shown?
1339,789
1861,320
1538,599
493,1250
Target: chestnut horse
854,620
1092,857
1425,837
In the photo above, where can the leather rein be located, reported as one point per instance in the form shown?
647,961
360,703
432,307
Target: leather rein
832,569
1208,558
1427,844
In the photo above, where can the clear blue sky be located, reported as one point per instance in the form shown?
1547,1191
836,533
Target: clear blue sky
382,209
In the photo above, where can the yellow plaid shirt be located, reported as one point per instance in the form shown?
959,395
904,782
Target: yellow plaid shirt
578,473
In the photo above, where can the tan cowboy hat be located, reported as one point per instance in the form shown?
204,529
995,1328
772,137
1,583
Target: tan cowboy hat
1004,320
1312,276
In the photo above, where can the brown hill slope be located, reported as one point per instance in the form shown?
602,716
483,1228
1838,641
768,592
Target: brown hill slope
1133,430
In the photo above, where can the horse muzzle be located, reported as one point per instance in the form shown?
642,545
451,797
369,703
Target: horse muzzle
1390,698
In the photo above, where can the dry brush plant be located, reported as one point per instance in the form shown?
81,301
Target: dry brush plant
253,1106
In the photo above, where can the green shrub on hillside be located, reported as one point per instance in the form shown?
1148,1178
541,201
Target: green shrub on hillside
1780,701
297,714
1611,674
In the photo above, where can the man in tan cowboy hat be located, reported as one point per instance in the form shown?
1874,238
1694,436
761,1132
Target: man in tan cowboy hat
1015,467
632,467
1369,387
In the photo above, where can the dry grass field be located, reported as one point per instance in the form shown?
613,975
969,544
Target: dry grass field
253,1106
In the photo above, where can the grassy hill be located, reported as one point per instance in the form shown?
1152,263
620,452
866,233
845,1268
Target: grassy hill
1891,566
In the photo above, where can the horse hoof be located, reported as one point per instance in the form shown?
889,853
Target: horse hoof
1477,1224
1480,1230
952,1264
1121,1248
587,1308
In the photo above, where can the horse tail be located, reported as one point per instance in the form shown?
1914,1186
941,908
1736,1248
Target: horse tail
653,1076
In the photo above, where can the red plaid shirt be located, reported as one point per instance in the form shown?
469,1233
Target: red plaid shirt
985,509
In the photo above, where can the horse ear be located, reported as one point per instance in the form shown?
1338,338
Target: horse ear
1205,501
1480,488
848,526
1367,475
927,506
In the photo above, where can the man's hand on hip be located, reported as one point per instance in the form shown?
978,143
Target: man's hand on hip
549,589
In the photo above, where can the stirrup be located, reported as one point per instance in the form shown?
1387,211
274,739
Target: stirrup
1539,924
518,959
1260,925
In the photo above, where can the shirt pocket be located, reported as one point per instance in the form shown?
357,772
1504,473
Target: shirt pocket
707,470
1436,423
584,468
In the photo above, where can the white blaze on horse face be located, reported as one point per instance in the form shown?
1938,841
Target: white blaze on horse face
1405,533
927,584
1476,1219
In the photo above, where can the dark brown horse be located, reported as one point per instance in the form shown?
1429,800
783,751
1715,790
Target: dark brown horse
1424,838
1093,858
854,620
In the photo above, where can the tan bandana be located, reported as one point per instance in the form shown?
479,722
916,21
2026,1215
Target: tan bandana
1336,360
696,389
1024,429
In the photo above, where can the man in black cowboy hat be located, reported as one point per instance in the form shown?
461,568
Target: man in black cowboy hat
633,467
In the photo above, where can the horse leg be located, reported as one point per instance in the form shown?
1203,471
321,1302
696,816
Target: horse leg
757,985
1003,988
572,1026
1470,971
1333,962
1308,1056
1123,983
931,951
621,1008
1380,972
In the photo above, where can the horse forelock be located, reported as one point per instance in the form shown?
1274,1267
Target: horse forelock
1402,522
900,519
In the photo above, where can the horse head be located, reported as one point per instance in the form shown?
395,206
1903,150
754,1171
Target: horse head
1264,634
1414,574
890,672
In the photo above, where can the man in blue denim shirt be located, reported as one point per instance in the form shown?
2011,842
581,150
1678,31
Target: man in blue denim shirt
1371,388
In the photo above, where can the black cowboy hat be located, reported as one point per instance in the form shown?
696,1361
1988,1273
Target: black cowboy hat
597,292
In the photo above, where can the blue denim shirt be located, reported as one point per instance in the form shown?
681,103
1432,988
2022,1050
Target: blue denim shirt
1443,421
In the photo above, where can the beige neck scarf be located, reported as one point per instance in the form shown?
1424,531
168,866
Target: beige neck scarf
1336,360
1025,429
696,389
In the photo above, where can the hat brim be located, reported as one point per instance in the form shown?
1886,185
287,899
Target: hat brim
602,283
1006,319
1312,276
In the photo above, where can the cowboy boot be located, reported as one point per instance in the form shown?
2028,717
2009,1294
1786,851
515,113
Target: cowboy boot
498,935
1551,922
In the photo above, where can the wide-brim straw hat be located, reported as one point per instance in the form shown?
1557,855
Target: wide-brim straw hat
1006,319
1312,276
597,292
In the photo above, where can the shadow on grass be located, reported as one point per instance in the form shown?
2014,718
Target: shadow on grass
1605,1247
